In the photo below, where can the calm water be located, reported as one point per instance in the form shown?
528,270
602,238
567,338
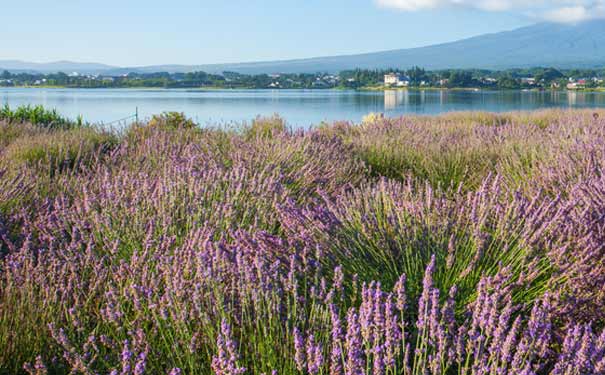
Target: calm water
301,108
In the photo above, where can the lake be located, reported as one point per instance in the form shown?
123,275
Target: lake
301,108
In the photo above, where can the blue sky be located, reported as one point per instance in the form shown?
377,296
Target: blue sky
136,32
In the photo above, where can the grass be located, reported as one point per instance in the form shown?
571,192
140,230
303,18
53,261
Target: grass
60,149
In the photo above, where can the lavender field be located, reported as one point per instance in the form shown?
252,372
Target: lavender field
466,243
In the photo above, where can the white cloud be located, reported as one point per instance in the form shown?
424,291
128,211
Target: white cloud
563,11
568,14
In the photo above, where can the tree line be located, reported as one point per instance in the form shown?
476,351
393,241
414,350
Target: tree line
353,79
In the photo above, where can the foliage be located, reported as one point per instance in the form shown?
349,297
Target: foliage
39,116
265,127
354,79
172,120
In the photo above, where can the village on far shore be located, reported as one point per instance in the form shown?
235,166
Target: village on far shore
400,80
416,77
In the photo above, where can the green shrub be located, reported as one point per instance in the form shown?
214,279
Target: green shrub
39,116
265,127
172,120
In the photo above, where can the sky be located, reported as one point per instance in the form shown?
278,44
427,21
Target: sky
150,32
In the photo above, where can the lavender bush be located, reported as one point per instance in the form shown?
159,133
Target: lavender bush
462,244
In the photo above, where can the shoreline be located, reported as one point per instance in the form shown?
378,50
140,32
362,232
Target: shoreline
360,89
492,89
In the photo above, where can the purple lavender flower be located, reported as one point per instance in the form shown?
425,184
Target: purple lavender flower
355,362
424,302
337,342
225,361
400,293
139,368
378,364
299,350
314,356
126,358
392,334
38,368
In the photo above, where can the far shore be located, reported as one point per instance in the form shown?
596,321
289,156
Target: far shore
430,88
365,88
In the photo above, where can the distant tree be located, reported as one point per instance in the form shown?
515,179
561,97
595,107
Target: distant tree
416,75
461,79
508,82
548,75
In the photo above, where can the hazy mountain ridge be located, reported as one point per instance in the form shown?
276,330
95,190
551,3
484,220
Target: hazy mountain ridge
545,44
53,67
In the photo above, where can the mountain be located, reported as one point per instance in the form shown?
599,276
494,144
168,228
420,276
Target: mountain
53,67
546,44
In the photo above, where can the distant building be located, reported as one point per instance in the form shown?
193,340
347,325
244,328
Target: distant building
319,83
576,85
395,79
391,79
331,79
528,80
